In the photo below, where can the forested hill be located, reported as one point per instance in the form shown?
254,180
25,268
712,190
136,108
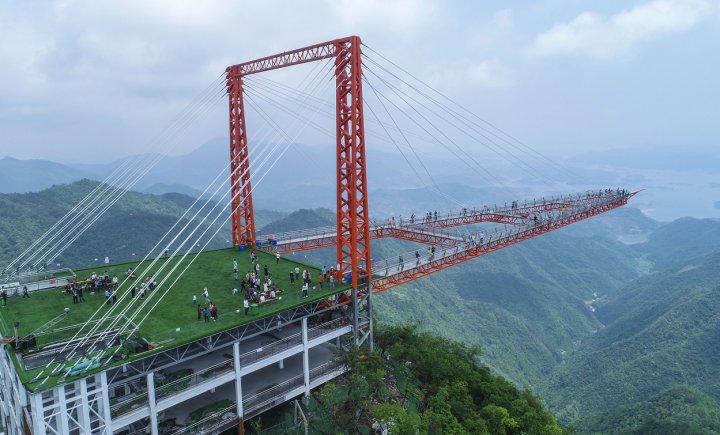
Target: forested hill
606,332
662,331
528,307
128,229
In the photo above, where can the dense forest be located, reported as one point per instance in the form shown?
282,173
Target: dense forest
406,389
128,228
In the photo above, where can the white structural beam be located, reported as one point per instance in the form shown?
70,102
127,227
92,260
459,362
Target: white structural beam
238,379
62,418
151,403
106,403
306,357
84,412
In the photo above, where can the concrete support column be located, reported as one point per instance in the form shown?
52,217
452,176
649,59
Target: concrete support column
107,418
306,356
370,317
281,364
62,415
37,414
151,403
238,379
84,411
356,332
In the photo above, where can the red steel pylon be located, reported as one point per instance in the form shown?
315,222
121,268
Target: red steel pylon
353,223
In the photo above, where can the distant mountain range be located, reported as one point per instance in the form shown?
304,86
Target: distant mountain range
677,182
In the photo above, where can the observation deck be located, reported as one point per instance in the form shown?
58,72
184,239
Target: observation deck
235,367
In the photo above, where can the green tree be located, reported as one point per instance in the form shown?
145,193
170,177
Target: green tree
498,419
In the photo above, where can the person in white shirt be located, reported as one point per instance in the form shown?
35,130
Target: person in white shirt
262,299
246,305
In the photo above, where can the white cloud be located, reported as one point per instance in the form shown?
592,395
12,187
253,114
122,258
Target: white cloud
591,35
485,74
135,63
490,74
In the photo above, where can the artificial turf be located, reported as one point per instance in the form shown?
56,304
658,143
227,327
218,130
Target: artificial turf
174,321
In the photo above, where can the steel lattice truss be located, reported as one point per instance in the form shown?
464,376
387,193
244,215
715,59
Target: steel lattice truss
527,220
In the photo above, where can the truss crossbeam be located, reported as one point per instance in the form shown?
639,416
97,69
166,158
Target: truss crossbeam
424,230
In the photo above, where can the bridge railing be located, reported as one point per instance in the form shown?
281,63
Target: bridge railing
413,259
211,422
300,234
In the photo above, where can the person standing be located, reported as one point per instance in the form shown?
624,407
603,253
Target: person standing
75,295
292,277
81,298
297,273
331,278
305,290
4,296
206,293
320,280
277,258
199,312
206,314
214,312
25,292
195,301
246,305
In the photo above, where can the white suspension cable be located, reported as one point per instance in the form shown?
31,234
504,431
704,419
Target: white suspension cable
125,176
156,272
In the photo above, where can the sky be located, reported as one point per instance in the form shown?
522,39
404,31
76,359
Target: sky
89,81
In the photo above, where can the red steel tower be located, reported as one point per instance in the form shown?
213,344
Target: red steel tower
353,224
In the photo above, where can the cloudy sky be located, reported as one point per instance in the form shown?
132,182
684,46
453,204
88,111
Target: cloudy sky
92,81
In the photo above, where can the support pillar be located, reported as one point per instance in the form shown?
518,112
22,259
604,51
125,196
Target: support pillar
107,418
306,357
38,414
371,342
62,417
238,388
355,319
353,222
243,219
238,379
84,414
151,403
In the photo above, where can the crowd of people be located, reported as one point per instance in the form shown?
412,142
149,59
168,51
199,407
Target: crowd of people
257,286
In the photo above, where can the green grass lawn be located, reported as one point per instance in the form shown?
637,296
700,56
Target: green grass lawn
212,269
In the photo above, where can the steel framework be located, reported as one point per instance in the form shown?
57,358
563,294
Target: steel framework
469,250
353,229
